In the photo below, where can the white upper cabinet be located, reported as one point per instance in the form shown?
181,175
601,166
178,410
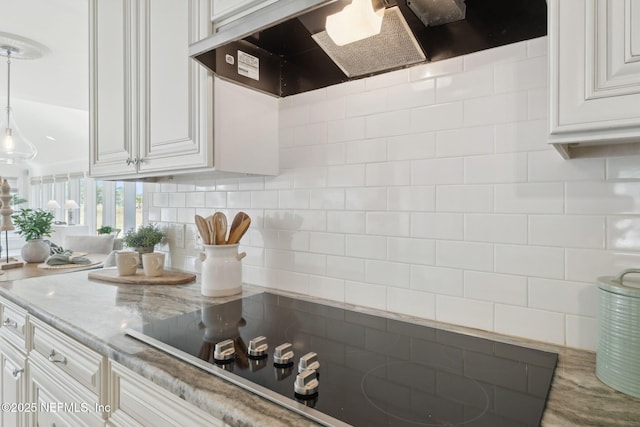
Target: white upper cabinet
153,109
594,59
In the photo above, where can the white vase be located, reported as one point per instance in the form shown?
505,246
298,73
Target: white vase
221,270
35,250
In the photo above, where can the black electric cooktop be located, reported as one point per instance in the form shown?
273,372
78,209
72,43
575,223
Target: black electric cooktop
370,370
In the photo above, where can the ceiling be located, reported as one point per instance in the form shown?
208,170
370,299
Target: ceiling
50,95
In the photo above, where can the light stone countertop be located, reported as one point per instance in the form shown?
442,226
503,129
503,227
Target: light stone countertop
97,313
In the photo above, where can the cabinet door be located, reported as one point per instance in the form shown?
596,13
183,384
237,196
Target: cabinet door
112,86
595,70
174,95
13,384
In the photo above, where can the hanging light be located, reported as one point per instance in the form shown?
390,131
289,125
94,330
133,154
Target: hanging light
358,20
14,147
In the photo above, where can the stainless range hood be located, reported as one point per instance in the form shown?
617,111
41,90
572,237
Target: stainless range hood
283,48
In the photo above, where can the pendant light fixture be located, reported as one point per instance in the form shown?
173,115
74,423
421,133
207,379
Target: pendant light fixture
14,147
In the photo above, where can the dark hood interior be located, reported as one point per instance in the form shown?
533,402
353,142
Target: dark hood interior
292,62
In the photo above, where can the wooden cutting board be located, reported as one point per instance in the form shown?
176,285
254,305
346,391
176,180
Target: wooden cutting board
169,277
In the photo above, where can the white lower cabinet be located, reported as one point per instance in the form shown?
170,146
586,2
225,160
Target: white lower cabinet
136,401
13,385
66,379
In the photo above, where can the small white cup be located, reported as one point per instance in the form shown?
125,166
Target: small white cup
127,263
153,264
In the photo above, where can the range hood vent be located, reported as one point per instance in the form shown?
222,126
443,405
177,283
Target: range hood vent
283,48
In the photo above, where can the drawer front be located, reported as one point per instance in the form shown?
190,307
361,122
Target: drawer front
136,401
14,324
58,404
60,352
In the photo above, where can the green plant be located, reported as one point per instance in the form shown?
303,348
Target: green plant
105,229
17,200
146,236
33,223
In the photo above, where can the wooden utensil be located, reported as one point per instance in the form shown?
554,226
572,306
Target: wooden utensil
220,224
203,229
239,231
212,229
236,223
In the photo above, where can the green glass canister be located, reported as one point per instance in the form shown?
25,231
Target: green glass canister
618,351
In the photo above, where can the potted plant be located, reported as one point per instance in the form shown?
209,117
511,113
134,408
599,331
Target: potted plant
33,225
144,239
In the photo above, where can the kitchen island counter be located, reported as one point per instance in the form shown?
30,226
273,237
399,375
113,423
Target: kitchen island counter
97,314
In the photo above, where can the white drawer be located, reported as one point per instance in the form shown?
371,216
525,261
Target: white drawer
136,401
14,324
60,352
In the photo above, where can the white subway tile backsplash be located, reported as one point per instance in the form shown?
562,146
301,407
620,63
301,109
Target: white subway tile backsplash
351,222
437,68
388,173
387,124
500,288
537,324
623,233
603,197
526,74
436,117
507,168
411,198
369,247
550,166
466,312
437,171
529,198
464,198
437,280
586,265
430,191
411,303
345,130
579,231
456,87
347,268
387,273
366,103
413,95
627,167
465,255
522,136
495,228
411,146
327,243
494,109
437,225
465,141
366,151
414,251
536,261
582,332
327,287
365,294
345,176
509,53
563,297
388,223
366,198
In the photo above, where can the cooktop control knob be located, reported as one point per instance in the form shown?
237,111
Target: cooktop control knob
306,383
258,347
224,352
283,355
309,361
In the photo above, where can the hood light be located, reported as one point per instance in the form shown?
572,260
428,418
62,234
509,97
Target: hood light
356,21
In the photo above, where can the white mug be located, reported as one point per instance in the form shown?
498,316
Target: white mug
153,264
127,263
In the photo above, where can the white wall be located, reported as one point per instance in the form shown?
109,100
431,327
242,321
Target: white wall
432,192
